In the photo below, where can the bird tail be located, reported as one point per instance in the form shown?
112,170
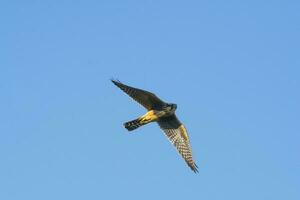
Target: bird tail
150,116
134,124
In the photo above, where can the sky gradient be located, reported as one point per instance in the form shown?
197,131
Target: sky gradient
232,67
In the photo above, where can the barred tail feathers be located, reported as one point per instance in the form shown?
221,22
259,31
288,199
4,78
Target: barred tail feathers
134,124
150,116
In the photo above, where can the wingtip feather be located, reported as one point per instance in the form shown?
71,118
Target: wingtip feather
116,82
113,80
194,167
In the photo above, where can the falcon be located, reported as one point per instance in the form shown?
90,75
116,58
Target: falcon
164,114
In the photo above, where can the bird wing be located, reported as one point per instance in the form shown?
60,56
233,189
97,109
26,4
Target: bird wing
145,98
178,136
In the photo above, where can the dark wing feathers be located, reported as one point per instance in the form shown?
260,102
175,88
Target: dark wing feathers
145,98
177,134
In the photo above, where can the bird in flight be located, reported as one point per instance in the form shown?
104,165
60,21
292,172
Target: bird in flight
164,114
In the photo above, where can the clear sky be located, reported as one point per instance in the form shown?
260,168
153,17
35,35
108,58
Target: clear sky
232,67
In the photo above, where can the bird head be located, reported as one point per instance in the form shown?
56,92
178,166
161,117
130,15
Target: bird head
172,106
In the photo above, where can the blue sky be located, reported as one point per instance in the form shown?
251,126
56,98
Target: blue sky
232,67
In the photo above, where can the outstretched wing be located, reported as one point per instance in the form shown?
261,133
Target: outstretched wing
147,99
178,136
